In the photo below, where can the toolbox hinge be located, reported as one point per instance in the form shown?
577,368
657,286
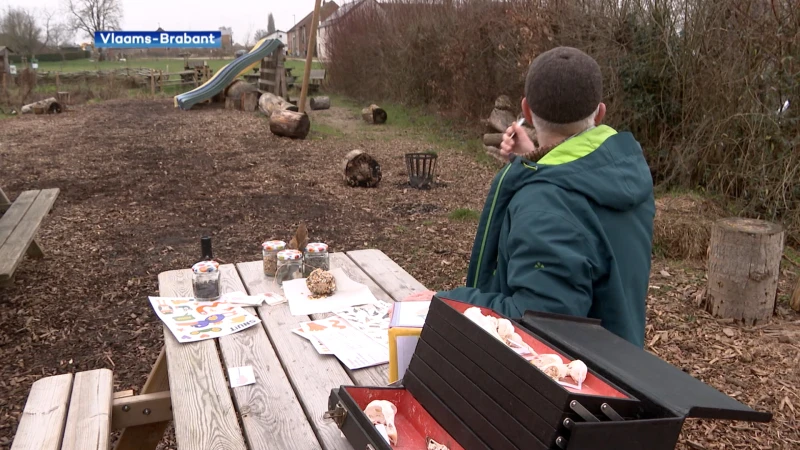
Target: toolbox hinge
337,414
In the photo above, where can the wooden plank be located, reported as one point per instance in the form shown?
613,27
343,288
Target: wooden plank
4,201
201,401
147,437
371,376
268,71
312,375
134,410
267,82
386,273
89,418
42,423
11,252
15,213
270,412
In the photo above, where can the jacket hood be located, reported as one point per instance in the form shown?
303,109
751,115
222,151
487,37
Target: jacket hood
601,164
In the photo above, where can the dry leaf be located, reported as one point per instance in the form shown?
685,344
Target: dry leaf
729,332
665,274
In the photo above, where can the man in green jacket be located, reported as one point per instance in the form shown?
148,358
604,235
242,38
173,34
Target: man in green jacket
567,227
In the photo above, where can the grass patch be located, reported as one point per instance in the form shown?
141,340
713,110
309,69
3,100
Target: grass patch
322,130
464,215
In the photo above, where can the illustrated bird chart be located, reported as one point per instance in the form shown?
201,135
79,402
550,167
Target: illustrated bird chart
192,321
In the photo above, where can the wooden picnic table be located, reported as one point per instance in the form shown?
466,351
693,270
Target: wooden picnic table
284,409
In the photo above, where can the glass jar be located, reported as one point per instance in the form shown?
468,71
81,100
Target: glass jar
269,250
290,266
205,281
316,257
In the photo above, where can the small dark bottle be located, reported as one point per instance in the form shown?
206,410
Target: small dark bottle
205,247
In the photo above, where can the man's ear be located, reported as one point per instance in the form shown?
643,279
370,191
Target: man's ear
526,111
601,113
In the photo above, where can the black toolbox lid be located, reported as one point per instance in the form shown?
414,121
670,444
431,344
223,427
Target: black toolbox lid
642,372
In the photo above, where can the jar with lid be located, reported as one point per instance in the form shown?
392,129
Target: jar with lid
290,266
205,281
269,250
316,257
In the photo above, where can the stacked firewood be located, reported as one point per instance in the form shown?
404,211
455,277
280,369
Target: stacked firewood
502,116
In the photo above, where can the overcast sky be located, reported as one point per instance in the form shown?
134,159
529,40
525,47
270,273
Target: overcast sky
196,15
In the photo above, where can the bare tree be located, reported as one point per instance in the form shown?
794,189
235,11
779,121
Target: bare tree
90,16
261,34
21,31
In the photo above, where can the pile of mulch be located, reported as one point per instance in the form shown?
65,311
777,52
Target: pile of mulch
141,182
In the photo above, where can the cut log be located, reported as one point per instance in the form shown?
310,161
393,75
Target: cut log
504,103
239,87
492,139
245,101
500,120
743,268
495,153
374,114
290,124
269,103
361,170
320,103
794,302
48,105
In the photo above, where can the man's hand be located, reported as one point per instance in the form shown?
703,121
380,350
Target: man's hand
422,296
520,144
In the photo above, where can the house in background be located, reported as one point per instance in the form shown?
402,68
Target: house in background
344,11
279,35
299,34
4,64
227,38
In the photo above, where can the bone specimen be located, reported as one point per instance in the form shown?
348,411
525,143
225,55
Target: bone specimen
382,412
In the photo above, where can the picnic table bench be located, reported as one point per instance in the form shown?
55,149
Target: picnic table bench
284,409
19,223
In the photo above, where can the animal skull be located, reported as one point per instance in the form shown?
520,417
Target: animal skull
382,412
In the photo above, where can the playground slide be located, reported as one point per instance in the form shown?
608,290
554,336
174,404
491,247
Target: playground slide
227,74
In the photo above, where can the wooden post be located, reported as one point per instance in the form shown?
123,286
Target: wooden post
160,81
743,269
152,83
309,56
58,84
794,302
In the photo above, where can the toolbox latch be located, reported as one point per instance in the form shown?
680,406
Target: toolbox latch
337,414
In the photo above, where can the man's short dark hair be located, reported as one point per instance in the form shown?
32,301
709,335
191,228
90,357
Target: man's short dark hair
564,85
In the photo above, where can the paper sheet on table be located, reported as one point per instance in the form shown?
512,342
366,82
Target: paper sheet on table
348,293
410,314
371,319
191,321
353,348
321,349
241,376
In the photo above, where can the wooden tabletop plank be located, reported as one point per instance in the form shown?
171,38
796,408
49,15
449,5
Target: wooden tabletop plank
312,375
41,426
386,273
271,414
13,249
371,376
201,402
15,213
89,419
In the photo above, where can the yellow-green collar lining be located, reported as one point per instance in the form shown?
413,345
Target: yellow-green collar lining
579,146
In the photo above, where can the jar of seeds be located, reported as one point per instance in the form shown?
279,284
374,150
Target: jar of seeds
269,250
316,257
205,281
290,266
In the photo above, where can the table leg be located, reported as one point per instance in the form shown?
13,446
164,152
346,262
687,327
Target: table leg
4,201
147,437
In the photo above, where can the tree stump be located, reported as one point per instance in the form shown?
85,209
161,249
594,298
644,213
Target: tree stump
245,101
290,124
361,170
269,103
794,302
374,114
743,269
320,103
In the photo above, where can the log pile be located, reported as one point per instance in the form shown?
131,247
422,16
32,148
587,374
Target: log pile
46,106
502,116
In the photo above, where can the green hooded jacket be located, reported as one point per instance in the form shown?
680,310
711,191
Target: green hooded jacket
571,234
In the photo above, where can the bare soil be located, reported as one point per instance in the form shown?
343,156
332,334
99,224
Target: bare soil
141,182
